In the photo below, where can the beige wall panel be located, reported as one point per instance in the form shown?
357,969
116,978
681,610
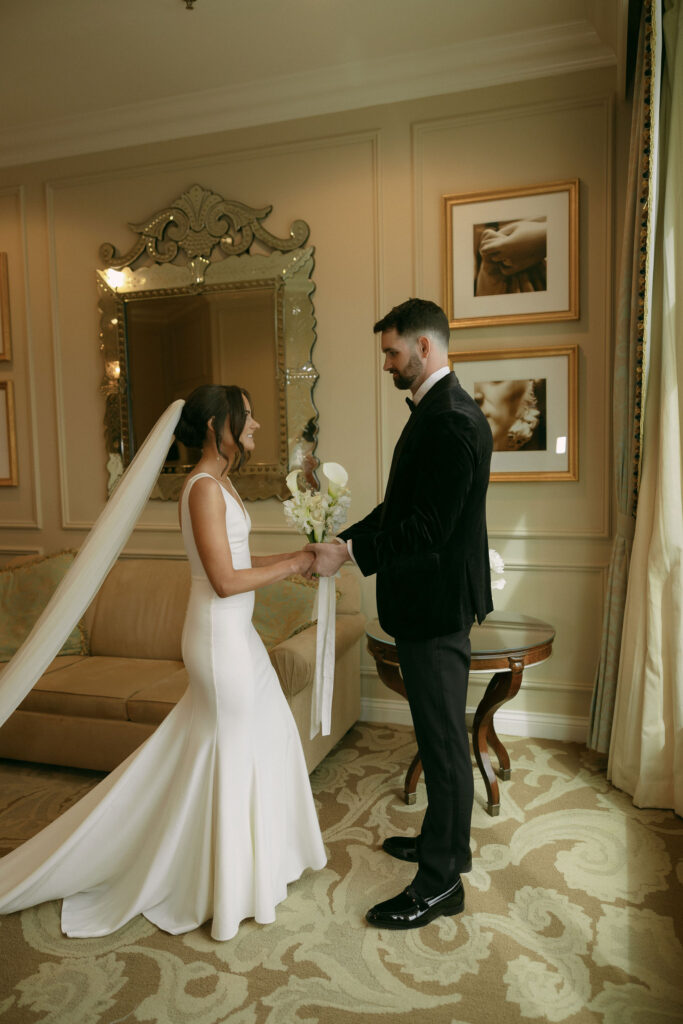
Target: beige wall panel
19,506
331,184
522,145
570,598
569,134
369,183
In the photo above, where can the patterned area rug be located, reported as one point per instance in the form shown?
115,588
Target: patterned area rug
574,913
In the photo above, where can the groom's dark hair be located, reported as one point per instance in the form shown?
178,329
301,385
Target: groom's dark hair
416,316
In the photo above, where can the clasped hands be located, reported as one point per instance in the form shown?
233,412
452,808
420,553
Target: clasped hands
512,258
327,558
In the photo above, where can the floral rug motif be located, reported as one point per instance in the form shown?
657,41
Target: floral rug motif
574,913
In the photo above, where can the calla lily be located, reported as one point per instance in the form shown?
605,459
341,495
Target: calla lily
318,528
337,478
497,566
291,482
495,561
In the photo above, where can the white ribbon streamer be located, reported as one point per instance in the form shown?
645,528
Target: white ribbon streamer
323,683
98,553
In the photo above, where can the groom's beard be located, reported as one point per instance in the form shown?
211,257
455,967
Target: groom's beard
409,375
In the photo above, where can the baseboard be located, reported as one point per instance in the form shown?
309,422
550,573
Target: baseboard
394,712
569,728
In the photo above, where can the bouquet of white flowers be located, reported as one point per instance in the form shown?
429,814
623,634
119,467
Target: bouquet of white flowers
497,566
319,514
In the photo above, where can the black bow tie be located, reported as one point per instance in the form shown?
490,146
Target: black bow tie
411,404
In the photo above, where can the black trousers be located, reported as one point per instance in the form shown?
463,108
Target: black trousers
435,674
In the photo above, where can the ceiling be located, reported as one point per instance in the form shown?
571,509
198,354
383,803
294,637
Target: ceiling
84,75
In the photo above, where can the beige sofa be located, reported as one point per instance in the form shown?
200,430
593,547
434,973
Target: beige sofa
91,711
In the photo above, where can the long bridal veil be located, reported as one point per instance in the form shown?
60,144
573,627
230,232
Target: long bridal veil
97,554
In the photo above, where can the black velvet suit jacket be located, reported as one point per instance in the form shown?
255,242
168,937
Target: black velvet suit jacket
427,541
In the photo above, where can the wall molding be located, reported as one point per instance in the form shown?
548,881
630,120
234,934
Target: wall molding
214,157
567,728
602,102
378,235
17,550
514,566
511,57
267,530
55,185
481,680
171,556
29,385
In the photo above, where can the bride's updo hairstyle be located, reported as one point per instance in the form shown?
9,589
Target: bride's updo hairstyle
225,405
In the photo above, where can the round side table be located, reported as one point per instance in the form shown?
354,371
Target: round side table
505,644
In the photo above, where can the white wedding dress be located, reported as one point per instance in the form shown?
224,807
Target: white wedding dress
212,816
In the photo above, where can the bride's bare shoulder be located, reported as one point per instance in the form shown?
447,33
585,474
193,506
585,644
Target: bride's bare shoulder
206,488
199,487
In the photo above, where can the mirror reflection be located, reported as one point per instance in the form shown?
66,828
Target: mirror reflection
210,309
175,344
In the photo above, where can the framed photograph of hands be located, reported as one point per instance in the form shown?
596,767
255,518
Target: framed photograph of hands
529,397
512,255
8,441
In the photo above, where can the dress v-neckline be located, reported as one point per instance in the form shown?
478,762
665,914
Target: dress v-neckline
235,497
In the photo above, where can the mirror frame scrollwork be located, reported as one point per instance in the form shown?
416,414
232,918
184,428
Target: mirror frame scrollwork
202,243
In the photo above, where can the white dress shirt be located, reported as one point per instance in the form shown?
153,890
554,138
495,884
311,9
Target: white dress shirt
429,383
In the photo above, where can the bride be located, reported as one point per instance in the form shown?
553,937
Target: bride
213,815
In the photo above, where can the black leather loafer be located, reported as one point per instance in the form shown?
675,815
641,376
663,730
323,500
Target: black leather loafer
401,847
410,910
405,848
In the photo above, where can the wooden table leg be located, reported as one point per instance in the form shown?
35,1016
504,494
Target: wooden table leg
389,671
412,778
502,688
494,741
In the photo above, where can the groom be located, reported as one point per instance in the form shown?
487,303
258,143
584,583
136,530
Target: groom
427,543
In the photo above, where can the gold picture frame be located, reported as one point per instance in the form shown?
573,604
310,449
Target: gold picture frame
512,255
530,398
5,326
9,476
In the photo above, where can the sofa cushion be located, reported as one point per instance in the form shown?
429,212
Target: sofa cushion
150,705
96,687
348,591
140,609
60,662
25,589
283,609
294,658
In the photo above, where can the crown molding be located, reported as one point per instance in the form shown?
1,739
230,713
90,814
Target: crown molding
513,57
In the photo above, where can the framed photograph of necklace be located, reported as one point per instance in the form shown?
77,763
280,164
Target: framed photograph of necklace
529,397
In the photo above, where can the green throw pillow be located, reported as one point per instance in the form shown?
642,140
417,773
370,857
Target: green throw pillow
24,592
283,609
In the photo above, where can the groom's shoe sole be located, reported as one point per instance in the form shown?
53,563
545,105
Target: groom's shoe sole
405,848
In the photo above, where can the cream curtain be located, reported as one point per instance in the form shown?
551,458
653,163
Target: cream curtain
635,277
646,749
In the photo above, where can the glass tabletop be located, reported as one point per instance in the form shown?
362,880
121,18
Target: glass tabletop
500,634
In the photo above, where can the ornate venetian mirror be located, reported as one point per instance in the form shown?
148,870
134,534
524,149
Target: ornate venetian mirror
207,295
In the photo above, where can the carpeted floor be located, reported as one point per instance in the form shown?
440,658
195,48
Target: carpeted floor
574,913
